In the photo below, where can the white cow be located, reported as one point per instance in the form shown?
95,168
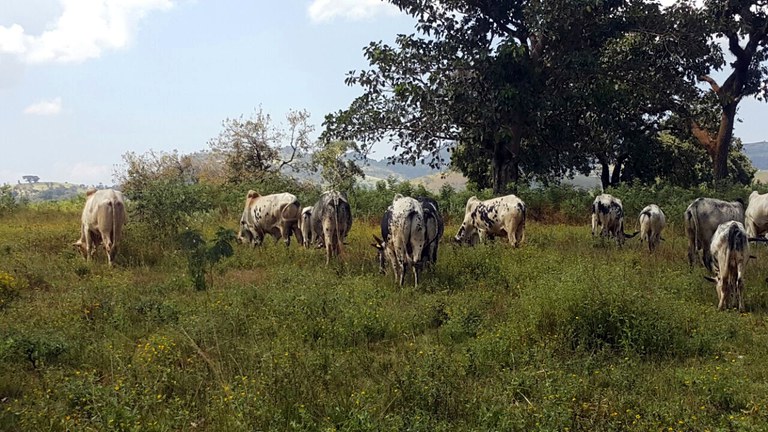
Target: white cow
702,217
652,223
101,223
276,214
407,237
502,216
756,216
305,226
730,251
608,213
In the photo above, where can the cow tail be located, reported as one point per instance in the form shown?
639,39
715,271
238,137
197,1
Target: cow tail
336,222
694,218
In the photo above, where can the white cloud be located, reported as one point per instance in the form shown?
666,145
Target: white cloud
326,10
84,29
48,107
87,173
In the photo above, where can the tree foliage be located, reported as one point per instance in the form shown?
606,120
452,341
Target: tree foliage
534,89
254,147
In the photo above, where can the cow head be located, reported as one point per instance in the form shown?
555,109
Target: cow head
80,247
381,247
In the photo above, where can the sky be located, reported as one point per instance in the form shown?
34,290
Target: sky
82,82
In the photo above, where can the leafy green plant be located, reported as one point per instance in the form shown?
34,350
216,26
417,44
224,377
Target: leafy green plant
201,258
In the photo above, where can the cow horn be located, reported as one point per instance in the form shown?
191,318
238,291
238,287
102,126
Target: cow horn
752,257
631,235
758,239
710,278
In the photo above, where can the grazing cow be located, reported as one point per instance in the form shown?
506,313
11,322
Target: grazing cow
652,222
502,216
276,214
305,226
756,216
730,250
331,220
608,213
702,218
101,223
406,234
435,227
381,243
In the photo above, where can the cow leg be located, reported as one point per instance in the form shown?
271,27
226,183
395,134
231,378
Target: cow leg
720,295
706,258
594,224
107,241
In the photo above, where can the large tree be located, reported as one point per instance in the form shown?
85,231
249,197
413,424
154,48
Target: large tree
742,26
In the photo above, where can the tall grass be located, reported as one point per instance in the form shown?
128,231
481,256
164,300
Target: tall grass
565,333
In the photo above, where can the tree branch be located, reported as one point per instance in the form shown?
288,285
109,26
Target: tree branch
712,83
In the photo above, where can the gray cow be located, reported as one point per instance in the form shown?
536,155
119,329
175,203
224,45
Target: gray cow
702,218
330,221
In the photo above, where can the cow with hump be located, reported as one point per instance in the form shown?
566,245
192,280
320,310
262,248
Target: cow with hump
730,250
101,223
276,214
405,238
330,222
756,216
702,218
502,216
652,223
608,213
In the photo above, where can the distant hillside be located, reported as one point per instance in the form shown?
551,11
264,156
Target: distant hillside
48,191
757,152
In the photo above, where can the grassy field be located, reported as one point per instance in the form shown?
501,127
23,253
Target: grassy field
565,333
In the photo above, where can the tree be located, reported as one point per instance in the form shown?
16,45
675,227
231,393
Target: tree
521,89
31,178
336,169
744,26
254,147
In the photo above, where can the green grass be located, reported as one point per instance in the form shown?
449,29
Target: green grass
565,333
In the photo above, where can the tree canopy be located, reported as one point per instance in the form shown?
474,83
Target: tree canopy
540,89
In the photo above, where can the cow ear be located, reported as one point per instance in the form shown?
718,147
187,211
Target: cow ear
711,279
253,194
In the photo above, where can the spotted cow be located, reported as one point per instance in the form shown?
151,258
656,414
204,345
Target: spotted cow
276,215
405,237
730,251
502,216
608,214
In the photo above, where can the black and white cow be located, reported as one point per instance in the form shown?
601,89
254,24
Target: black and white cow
502,216
702,218
330,221
730,250
756,215
652,223
608,213
435,227
404,230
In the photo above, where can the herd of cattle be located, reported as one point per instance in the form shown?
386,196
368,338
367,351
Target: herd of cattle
411,229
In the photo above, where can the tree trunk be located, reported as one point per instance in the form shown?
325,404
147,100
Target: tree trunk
505,164
605,174
722,144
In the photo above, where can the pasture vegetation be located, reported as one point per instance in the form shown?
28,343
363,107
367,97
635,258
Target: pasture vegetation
565,333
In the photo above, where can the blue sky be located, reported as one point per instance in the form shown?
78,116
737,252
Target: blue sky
84,81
